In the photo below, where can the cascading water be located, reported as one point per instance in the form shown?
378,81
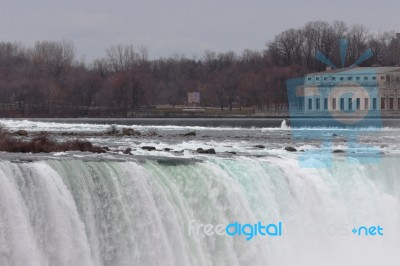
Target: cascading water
73,212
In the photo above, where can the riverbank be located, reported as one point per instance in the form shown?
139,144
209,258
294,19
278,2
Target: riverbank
242,122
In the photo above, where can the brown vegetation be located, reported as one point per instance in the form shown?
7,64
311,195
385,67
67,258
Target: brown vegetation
43,144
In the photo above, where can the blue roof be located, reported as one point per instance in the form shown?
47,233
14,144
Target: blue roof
358,70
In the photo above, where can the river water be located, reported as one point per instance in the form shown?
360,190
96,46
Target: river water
163,207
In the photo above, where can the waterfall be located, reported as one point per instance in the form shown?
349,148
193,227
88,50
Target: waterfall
73,212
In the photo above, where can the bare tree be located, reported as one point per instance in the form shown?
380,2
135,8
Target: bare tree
54,58
101,67
121,58
357,36
287,47
143,54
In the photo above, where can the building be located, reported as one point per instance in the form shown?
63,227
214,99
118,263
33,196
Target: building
193,98
350,90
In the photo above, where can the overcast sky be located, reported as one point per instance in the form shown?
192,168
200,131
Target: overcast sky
169,27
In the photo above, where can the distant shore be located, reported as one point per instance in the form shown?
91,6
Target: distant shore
245,121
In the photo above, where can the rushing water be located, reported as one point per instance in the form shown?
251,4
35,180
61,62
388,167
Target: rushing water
130,211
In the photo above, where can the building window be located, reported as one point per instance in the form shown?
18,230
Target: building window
382,77
358,103
341,103
333,78
325,78
357,78
309,104
334,103
373,78
309,79
366,103
317,78
383,104
350,104
317,103
350,78
365,78
391,103
325,103
341,78
374,103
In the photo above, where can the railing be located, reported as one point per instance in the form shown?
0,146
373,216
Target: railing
366,83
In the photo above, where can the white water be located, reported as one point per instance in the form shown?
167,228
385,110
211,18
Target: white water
284,125
71,212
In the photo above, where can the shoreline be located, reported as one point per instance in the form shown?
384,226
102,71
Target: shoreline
242,122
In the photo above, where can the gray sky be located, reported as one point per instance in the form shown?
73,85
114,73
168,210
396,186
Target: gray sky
169,27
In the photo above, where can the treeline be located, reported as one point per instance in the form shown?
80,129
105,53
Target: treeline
48,80
299,46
